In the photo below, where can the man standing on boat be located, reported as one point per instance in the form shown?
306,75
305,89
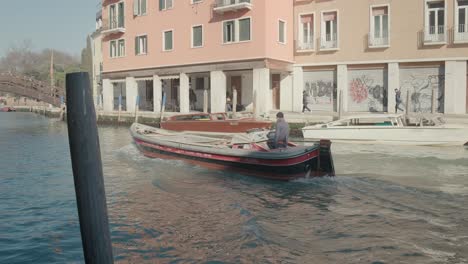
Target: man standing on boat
398,100
282,132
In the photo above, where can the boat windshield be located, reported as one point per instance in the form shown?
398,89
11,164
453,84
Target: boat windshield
364,121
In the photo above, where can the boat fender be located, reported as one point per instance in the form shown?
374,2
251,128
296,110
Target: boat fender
307,167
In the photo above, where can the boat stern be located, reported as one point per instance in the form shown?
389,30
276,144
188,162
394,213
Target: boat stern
325,166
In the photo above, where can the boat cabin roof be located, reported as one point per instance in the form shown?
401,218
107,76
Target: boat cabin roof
198,117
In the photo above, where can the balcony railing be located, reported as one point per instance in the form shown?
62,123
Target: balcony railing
329,42
378,42
461,33
435,35
306,45
112,26
231,5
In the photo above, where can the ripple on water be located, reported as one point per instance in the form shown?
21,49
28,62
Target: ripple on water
388,205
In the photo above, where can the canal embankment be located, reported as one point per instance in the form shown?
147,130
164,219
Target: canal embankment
296,120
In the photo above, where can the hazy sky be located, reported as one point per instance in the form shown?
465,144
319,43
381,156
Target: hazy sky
57,24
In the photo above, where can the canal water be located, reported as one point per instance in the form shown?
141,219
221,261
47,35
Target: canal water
387,204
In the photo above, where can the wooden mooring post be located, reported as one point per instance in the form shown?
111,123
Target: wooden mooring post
87,170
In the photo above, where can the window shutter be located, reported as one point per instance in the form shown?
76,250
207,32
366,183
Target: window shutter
281,31
137,48
197,36
244,29
225,32
135,7
162,4
143,7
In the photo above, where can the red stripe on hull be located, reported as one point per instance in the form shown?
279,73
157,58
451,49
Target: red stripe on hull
215,166
243,160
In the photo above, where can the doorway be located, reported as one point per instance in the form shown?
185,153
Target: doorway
276,90
236,83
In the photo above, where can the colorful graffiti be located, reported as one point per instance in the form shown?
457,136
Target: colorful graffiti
367,91
422,84
320,86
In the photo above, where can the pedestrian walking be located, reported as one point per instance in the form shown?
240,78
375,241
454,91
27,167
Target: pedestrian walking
398,101
305,101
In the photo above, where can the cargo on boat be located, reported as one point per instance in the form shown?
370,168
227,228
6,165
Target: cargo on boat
212,123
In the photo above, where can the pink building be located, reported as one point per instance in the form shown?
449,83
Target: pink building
346,55
171,47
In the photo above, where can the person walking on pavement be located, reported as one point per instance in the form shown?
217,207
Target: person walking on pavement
398,101
305,101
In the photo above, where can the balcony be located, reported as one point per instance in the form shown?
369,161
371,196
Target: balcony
112,27
329,42
435,35
460,34
222,6
307,45
378,42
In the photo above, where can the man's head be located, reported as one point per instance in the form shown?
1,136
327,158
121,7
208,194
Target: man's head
396,90
280,115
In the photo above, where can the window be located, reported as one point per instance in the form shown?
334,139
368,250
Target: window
167,40
113,49
196,1
379,26
461,23
200,83
329,30
116,16
282,31
139,7
197,36
229,32
117,48
121,51
244,29
165,4
141,45
236,30
435,21
306,32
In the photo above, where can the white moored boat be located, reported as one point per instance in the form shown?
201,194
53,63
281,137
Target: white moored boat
389,129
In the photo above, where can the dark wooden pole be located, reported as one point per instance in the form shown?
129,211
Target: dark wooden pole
87,170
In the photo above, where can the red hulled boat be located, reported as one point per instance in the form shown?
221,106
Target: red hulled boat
247,153
7,109
212,123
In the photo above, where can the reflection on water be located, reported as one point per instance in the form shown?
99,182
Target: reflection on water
388,204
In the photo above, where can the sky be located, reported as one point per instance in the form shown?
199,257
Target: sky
58,24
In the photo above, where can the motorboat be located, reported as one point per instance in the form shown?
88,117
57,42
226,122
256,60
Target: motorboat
248,153
212,123
390,129
7,109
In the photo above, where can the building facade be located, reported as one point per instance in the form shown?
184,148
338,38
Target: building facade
354,54
96,46
170,47
347,56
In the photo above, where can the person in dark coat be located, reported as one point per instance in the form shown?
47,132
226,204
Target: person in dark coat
398,101
305,101
192,99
